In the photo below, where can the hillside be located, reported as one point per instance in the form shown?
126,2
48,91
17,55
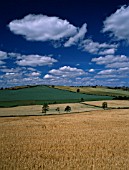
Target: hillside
97,90
42,94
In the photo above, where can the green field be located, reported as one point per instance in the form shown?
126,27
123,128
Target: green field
41,94
97,90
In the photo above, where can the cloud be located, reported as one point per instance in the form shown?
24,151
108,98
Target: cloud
48,76
2,62
112,61
92,47
15,55
28,60
118,73
91,70
35,60
42,28
31,69
12,75
107,72
79,36
67,71
23,72
11,70
118,64
19,76
108,51
35,74
117,24
3,56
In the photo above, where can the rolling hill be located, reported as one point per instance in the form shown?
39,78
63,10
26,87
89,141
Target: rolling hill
43,94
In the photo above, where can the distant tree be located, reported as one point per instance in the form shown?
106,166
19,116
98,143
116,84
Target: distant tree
82,100
104,105
67,109
1,88
45,108
78,90
53,86
58,109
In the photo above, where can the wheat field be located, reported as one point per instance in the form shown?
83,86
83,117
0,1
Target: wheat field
96,140
111,103
37,109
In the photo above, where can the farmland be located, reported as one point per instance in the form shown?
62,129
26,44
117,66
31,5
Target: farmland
90,140
111,103
41,94
97,90
37,109
86,138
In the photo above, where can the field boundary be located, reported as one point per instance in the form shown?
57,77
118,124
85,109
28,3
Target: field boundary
60,114
107,107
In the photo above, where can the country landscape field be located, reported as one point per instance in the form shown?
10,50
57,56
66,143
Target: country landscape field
91,140
97,90
64,85
43,94
86,137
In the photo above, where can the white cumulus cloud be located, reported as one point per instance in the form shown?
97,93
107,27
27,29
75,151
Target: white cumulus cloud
119,73
35,74
48,76
91,70
67,71
79,36
92,47
35,60
118,24
42,28
112,61
106,72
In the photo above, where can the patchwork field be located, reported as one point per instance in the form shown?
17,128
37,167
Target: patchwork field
93,140
97,90
43,94
75,108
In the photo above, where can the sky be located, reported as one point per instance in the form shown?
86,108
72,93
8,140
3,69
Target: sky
64,42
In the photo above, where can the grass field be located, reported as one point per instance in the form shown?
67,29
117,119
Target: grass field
96,140
41,94
97,90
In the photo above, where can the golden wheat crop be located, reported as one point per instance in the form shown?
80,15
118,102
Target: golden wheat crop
111,103
97,140
37,109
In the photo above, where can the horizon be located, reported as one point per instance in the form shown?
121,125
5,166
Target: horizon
53,86
61,42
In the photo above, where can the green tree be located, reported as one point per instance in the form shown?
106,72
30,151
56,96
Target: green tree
104,105
78,90
82,100
58,109
67,109
45,108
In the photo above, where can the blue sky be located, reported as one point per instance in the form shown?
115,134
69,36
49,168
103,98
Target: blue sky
64,42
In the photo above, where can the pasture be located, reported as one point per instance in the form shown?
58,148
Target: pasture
43,94
91,140
97,90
